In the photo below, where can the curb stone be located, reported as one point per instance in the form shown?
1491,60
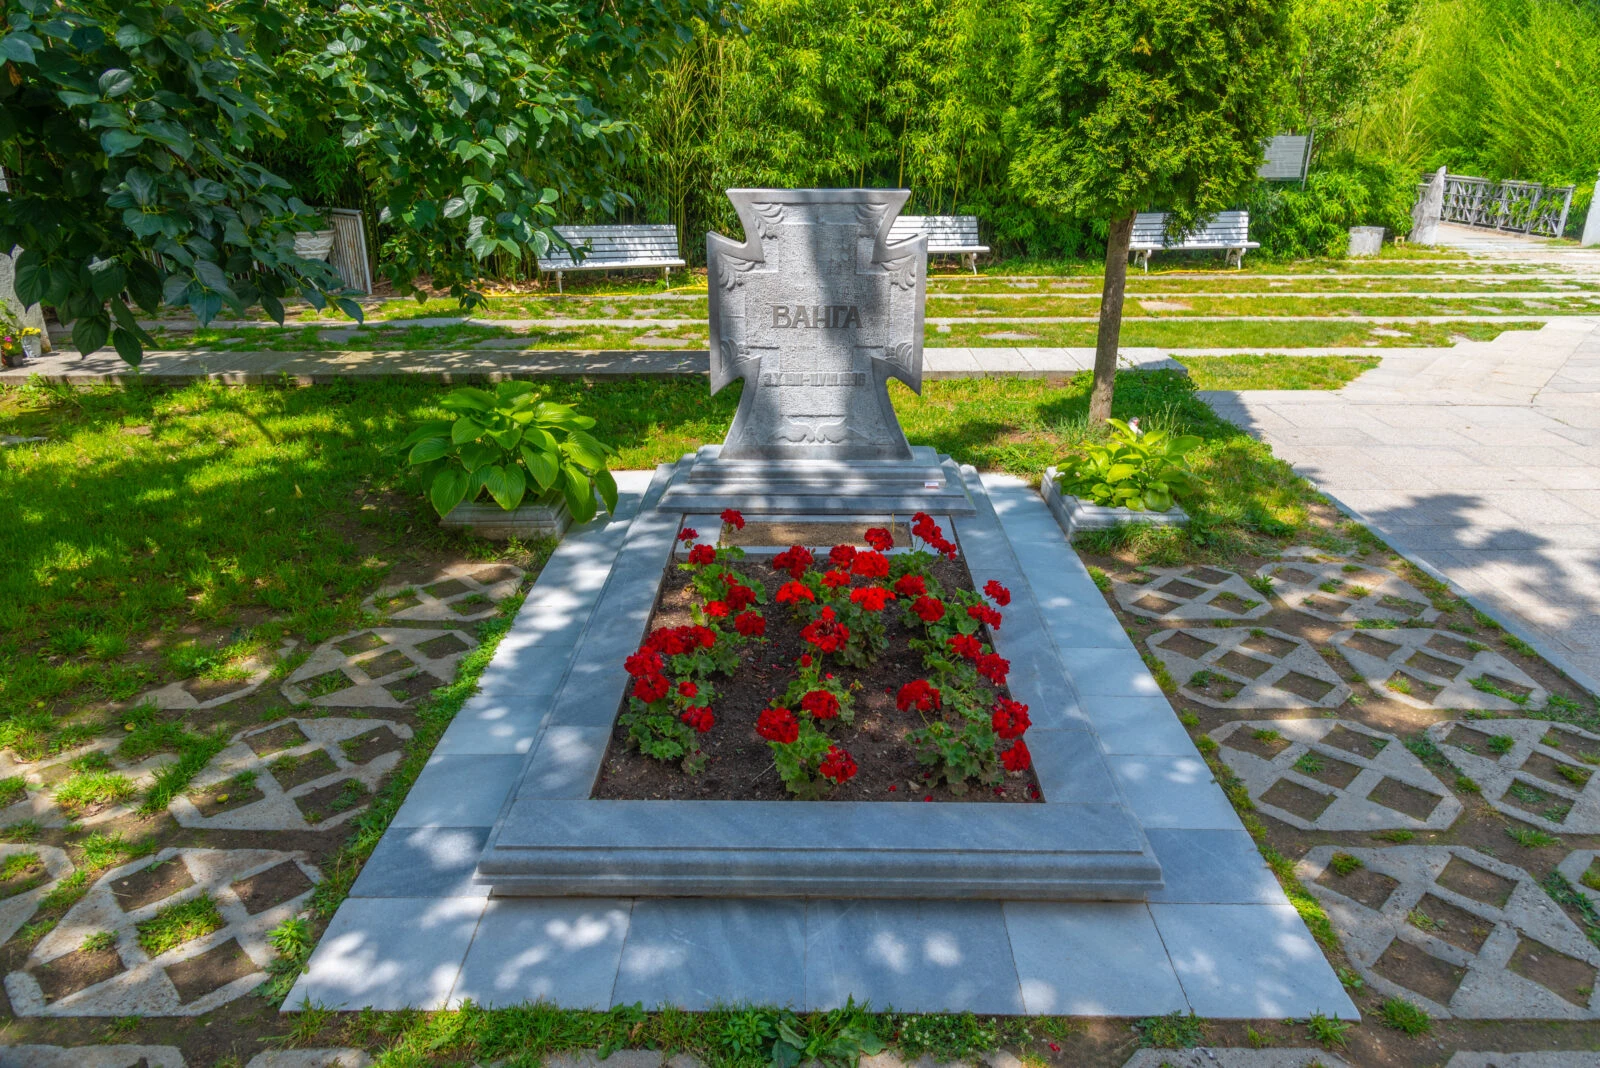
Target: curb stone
90,1056
1208,1057
311,1058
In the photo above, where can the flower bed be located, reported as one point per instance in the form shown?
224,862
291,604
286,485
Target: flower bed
848,676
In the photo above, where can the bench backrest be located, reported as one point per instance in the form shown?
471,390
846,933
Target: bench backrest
645,244
1230,229
945,232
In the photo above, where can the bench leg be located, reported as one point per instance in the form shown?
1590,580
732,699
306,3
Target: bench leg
666,275
972,259
558,282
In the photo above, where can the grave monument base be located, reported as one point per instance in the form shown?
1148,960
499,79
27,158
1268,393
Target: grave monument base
927,482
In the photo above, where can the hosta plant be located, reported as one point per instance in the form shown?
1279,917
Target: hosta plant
1134,469
506,443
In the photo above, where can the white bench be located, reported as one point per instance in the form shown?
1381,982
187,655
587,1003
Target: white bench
606,248
1229,231
948,235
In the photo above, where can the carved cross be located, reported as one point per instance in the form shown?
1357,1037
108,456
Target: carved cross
816,311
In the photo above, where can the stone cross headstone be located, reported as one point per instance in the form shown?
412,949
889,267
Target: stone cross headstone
816,311
29,316
1591,222
1428,210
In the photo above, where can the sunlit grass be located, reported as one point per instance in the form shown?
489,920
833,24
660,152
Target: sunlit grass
1276,372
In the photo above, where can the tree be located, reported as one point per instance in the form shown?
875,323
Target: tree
1130,104
132,127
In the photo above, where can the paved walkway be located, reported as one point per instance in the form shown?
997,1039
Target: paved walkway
1482,462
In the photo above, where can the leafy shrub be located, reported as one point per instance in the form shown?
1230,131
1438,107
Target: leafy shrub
1345,191
1134,469
503,442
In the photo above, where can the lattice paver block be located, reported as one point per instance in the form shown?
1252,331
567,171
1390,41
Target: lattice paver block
1226,1057
1538,772
1190,594
379,668
1457,932
1436,669
459,592
203,693
42,779
252,890
46,865
1545,1058
1235,667
91,1057
1336,589
1582,863
296,775
1334,775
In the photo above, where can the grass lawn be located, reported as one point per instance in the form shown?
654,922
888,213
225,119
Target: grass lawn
1276,372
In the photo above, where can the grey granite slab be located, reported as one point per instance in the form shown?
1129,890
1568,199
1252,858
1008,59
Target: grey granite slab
1068,770
524,666
1091,959
389,954
494,726
1111,672
1212,868
1138,726
1173,791
564,953
700,953
569,761
459,791
1243,961
916,956
424,862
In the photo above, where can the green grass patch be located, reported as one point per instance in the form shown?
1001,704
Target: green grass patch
174,925
1277,371
93,788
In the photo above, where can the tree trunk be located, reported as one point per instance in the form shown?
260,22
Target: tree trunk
1110,335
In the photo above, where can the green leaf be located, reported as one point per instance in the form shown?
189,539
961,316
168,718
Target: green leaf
428,449
608,489
465,430
476,455
580,495
542,466
16,48
89,333
128,346
435,428
116,142
1121,472
115,83
468,399
449,487
505,484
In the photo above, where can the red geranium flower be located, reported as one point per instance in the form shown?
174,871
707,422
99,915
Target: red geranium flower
984,614
732,517
821,704
834,579
880,539
805,659
688,689
650,688
1010,719
704,637
793,593
929,609
965,645
994,667
778,725
699,717
826,632
702,554
917,694
794,560
644,662
750,624
997,593
837,765
871,598
739,597
910,586
871,565
842,555
1017,758
717,609
688,534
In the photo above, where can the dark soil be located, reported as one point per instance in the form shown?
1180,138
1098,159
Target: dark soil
274,886
211,802
374,743
151,883
292,771
1568,977
285,736
75,971
739,765
215,968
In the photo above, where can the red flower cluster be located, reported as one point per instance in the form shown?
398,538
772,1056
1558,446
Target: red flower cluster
918,694
997,593
750,624
872,565
733,518
702,554
929,609
794,560
835,579
1017,758
871,598
688,534
821,704
699,717
880,539
826,632
793,593
842,555
650,688
677,641
965,645
910,586
984,614
738,596
838,765
717,609
778,725
924,527
688,689
1010,719
645,662
994,667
